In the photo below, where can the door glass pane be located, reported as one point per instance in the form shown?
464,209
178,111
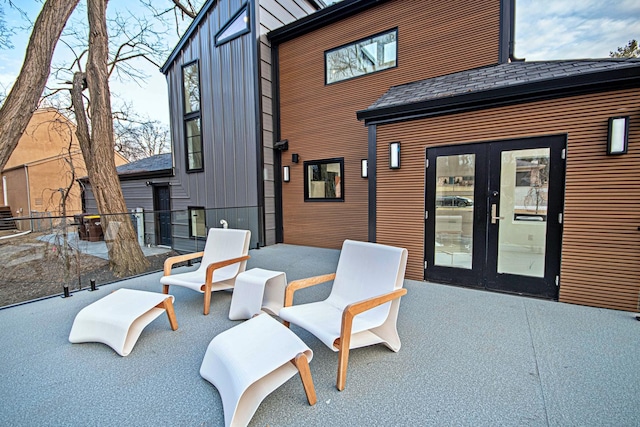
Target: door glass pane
524,186
454,210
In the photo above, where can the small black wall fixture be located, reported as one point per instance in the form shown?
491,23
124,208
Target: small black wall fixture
618,135
364,168
295,158
285,174
394,155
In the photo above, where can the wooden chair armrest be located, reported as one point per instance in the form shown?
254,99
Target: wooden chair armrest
356,308
304,283
353,309
215,265
169,262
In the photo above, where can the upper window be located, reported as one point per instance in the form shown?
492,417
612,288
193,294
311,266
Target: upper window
366,56
323,180
192,128
191,85
235,27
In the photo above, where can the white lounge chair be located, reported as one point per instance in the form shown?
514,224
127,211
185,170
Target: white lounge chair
362,308
225,255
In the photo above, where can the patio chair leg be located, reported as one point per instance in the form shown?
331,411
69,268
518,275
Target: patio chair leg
167,304
165,289
343,361
207,298
302,364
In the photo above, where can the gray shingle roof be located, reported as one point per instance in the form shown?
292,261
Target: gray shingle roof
495,77
155,163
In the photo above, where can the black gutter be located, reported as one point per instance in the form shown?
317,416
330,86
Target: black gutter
507,30
601,81
334,13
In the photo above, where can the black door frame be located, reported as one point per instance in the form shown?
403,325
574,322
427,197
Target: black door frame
483,273
161,239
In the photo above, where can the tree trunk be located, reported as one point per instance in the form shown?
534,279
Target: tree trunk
125,254
23,99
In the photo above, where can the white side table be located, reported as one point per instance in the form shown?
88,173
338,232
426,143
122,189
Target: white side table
255,290
249,361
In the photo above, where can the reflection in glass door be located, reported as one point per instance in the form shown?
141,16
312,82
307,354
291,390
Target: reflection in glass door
493,215
524,190
454,210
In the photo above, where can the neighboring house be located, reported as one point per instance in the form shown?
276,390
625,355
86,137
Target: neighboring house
145,187
219,78
45,164
450,114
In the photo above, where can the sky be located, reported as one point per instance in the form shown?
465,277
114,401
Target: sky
545,30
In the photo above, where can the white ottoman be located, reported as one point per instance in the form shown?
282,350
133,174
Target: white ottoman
255,290
249,361
118,319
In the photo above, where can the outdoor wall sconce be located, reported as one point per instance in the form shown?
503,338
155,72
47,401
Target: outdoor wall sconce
285,174
618,136
295,158
394,155
364,168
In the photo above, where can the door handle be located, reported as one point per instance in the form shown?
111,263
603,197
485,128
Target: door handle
494,212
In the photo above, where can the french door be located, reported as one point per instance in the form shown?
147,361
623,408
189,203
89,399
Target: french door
494,215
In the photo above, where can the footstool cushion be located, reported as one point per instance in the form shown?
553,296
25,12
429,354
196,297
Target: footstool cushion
249,361
118,319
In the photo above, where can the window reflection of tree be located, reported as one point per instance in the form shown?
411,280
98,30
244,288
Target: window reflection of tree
191,88
359,58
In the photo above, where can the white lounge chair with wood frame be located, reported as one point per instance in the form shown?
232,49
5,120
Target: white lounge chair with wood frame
225,255
362,308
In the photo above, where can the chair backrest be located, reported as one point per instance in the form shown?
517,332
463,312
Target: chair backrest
366,270
225,243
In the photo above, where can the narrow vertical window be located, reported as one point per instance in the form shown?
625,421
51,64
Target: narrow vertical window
193,134
197,223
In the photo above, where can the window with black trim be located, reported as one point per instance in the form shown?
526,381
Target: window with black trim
197,223
235,27
366,56
192,128
324,180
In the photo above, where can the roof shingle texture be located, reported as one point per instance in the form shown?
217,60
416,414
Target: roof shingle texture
494,77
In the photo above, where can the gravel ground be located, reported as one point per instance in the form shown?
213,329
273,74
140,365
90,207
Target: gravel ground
31,269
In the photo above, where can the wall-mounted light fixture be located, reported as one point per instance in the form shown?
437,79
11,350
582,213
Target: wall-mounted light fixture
364,168
394,155
618,137
285,174
295,158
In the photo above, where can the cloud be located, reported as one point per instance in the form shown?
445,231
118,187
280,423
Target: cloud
572,30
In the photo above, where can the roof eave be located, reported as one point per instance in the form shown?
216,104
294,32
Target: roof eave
321,18
624,78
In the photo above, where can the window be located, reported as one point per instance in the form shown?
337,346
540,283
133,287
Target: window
193,134
237,26
197,223
324,180
366,56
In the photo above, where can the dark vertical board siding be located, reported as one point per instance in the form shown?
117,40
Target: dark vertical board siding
600,250
273,14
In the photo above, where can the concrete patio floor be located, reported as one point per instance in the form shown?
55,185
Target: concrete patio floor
468,358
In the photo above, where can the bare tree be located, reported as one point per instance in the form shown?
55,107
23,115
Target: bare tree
139,137
97,144
22,101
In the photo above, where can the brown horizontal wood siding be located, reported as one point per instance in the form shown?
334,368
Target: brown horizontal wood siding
601,240
319,121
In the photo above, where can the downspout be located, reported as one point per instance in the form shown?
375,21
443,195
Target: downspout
26,173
